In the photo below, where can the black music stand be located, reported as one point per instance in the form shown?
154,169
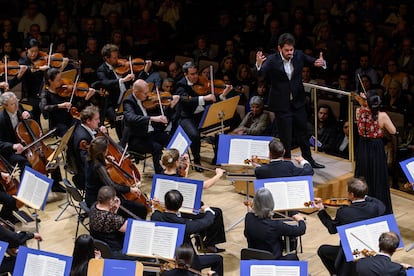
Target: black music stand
58,158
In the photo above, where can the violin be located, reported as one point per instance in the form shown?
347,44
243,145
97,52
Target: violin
12,68
152,100
30,133
255,160
202,87
56,60
81,89
137,65
363,253
220,85
11,187
332,202
363,102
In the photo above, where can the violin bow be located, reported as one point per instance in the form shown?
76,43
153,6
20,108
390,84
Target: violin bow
123,155
5,69
362,85
14,171
130,65
212,79
361,241
50,54
159,100
74,89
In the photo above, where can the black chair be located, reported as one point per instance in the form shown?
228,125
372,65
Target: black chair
255,254
103,247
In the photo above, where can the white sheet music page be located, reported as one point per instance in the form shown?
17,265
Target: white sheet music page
279,193
239,151
42,265
162,186
410,167
188,191
262,270
259,148
179,143
33,190
164,242
141,236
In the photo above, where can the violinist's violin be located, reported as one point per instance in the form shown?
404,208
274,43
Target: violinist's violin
331,202
364,253
56,60
13,68
202,86
363,102
11,187
152,101
257,161
137,65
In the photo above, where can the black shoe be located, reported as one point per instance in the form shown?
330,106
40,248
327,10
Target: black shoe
198,169
316,165
212,249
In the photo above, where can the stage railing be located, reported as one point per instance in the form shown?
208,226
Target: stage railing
314,91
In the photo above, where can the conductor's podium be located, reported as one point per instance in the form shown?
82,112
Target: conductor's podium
330,182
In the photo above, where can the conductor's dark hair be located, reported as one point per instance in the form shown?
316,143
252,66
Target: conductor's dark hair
388,242
105,194
173,200
51,74
188,65
358,187
276,148
286,38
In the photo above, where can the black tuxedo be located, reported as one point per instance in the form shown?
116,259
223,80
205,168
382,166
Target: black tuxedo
287,99
136,133
189,101
333,256
379,265
281,168
191,227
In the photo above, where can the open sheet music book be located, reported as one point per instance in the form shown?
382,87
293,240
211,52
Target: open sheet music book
408,168
191,190
34,188
180,141
153,239
288,192
31,262
273,268
235,149
365,234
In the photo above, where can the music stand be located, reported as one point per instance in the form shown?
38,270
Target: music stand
55,161
217,113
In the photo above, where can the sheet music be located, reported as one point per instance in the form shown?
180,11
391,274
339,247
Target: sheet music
43,265
410,167
278,191
289,195
189,193
180,143
162,187
33,190
259,148
164,241
141,236
262,270
288,270
239,151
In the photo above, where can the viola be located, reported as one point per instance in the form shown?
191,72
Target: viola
332,202
152,100
30,133
11,187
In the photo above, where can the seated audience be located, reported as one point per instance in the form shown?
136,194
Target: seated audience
326,128
256,121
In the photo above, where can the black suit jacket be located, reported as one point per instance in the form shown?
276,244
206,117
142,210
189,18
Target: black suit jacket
379,265
76,154
108,81
136,124
281,86
282,169
357,211
8,135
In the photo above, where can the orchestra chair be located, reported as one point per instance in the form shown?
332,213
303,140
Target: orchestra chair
76,200
198,244
103,247
255,254
137,156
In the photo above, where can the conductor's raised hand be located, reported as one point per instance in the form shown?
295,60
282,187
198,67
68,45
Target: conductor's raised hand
320,62
260,58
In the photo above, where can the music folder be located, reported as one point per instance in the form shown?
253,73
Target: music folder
408,168
180,141
3,248
112,267
273,268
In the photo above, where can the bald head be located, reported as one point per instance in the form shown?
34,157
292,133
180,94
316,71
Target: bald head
140,89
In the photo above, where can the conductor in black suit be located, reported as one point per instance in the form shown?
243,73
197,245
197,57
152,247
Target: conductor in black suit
362,207
381,263
287,95
279,167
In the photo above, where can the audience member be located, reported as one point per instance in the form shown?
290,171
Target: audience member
394,74
326,127
256,121
32,16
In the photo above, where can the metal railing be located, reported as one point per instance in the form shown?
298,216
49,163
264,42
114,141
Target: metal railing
314,91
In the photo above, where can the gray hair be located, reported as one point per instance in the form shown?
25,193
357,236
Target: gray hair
256,100
5,97
263,203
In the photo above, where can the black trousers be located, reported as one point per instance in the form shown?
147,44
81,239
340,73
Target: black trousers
294,121
190,126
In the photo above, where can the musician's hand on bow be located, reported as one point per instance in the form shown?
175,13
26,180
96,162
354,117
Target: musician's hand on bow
175,100
135,190
37,236
159,119
6,177
65,105
4,85
227,90
22,70
260,58
210,97
298,159
25,115
298,217
318,203
128,77
147,67
220,172
103,129
90,93
18,148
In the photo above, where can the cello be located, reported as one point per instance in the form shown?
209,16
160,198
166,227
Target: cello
30,133
10,187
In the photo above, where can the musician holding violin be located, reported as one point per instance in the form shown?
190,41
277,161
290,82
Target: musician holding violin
362,207
191,106
98,175
141,132
7,201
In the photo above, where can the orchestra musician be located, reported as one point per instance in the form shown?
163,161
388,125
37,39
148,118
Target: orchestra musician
264,233
8,202
362,207
141,132
85,131
279,167
214,234
173,201
98,176
105,224
381,263
190,109
116,86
